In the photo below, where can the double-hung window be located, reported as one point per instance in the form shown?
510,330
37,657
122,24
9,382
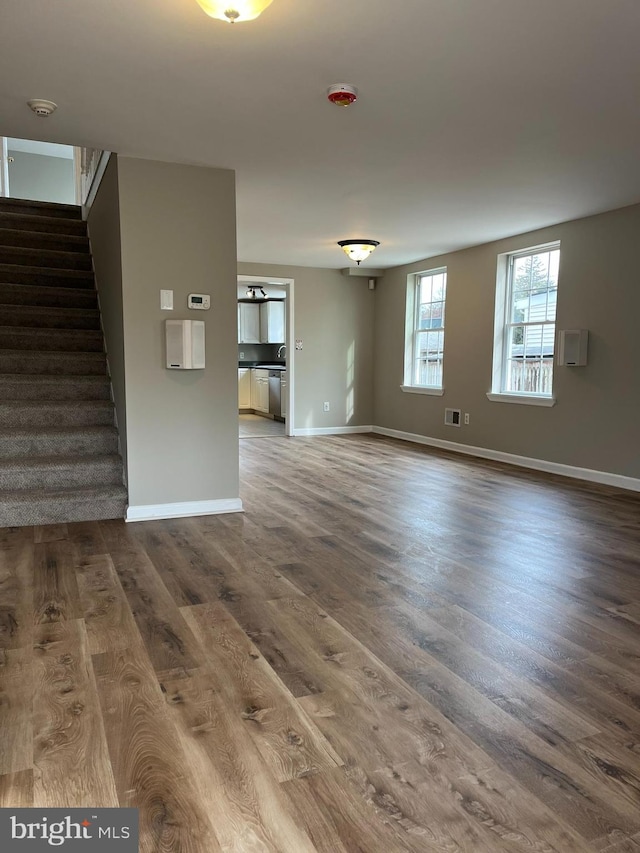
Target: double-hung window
525,325
424,332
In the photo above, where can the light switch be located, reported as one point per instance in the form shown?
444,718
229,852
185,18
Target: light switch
166,300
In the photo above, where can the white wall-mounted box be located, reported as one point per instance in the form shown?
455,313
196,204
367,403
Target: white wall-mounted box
572,349
185,344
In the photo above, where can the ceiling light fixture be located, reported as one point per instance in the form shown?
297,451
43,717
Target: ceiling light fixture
251,291
342,94
234,10
358,250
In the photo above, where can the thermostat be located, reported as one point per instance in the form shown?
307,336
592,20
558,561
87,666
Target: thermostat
200,301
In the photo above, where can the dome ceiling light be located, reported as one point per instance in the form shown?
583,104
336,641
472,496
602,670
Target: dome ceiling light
358,250
234,11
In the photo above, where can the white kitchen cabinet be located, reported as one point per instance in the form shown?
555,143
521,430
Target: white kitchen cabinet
272,323
260,390
244,388
283,394
248,323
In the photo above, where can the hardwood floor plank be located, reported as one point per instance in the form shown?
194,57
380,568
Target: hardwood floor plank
55,591
246,806
149,764
167,639
16,591
287,740
86,539
108,619
50,532
70,759
16,698
16,790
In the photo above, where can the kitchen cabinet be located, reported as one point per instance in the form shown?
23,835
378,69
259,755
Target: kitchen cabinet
272,323
260,390
244,388
248,323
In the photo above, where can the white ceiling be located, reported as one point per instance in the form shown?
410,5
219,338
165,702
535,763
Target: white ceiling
476,118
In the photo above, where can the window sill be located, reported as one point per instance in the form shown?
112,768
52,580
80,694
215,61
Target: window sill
522,399
422,389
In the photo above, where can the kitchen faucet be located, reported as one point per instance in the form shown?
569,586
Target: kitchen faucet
284,346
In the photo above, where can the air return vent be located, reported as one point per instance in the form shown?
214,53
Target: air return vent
452,417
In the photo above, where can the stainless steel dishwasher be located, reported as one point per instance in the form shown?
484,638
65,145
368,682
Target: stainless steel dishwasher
274,393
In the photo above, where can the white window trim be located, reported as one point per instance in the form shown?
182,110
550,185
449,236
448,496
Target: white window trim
423,389
497,395
409,331
523,399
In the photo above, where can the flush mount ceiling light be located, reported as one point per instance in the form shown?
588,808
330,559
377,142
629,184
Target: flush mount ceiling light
234,10
358,250
342,94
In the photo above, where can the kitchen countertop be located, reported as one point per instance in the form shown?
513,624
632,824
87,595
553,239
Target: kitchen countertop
265,365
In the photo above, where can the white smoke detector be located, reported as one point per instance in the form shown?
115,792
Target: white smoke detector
42,108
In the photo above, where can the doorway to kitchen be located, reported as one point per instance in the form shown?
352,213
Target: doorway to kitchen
265,360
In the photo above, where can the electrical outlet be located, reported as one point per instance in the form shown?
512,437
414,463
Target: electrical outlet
466,418
326,407
241,356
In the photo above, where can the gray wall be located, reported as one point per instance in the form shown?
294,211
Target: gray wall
178,233
104,232
595,421
42,178
334,319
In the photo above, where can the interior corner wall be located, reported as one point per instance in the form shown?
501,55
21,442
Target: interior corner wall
40,177
178,233
104,233
333,317
594,423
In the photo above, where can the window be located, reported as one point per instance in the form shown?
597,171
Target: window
525,329
424,338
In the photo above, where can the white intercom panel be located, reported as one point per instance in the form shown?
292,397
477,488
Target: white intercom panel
572,351
185,344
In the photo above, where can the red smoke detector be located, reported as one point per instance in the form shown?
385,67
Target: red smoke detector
342,94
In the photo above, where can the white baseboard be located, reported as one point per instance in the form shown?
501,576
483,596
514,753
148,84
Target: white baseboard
603,477
343,430
182,510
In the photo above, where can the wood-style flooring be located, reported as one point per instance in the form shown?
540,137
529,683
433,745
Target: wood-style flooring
392,649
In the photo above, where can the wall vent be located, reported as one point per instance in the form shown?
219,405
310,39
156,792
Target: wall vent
452,417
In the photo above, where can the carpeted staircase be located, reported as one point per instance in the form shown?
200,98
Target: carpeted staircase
59,457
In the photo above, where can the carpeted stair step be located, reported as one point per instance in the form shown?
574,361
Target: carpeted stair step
18,387
45,258
19,237
21,274
47,297
35,316
54,506
42,224
68,340
53,363
31,413
81,441
41,208
59,472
